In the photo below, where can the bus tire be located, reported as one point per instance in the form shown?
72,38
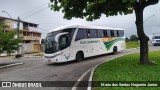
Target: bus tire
115,50
79,56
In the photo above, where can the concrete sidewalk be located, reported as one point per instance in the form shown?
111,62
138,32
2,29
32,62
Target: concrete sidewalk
24,56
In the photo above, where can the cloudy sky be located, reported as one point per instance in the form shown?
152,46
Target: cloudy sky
37,11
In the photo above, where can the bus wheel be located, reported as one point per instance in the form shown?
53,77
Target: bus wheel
79,56
114,50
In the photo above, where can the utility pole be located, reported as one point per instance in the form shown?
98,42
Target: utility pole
18,25
18,21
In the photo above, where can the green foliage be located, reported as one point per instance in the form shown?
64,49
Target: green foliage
1,46
8,42
93,9
127,39
126,69
3,26
134,38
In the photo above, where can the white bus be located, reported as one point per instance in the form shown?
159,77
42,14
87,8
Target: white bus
156,39
76,42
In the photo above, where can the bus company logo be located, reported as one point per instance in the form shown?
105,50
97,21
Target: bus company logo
89,42
6,84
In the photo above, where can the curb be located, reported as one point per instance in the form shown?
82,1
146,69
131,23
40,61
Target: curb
92,71
133,48
20,57
10,65
82,76
30,57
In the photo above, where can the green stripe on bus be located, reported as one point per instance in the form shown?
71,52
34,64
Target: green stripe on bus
109,45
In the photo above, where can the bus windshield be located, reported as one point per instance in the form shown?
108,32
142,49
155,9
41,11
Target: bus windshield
52,46
156,37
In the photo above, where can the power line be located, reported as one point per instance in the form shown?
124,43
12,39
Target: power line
48,28
43,29
28,12
149,18
45,23
36,12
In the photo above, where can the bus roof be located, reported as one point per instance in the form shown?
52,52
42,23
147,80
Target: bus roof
83,26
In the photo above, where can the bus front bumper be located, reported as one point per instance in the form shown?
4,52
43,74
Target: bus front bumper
156,44
53,60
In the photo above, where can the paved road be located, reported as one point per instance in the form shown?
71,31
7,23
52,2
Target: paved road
35,69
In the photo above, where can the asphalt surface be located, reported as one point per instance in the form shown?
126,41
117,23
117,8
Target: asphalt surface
35,69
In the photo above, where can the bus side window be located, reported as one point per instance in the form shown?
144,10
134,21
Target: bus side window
63,42
109,33
118,34
88,34
121,33
112,33
115,33
105,33
99,33
79,35
93,33
85,34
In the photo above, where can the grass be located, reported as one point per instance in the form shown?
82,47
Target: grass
130,45
126,68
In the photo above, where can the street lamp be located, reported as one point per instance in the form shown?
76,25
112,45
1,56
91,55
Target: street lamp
18,21
7,14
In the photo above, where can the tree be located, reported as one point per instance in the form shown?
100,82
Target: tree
134,38
93,9
127,39
2,27
1,45
8,42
